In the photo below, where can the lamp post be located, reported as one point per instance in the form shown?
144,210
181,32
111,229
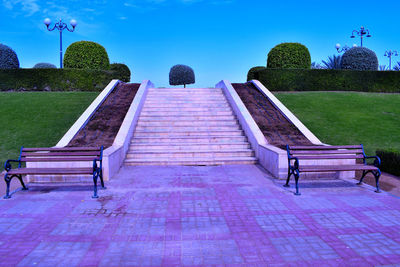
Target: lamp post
344,48
389,54
361,33
60,26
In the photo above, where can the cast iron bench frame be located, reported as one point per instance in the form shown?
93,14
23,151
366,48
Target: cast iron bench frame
53,154
316,152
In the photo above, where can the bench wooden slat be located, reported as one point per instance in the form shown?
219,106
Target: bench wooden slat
37,159
325,147
61,149
316,152
328,168
61,171
72,154
310,157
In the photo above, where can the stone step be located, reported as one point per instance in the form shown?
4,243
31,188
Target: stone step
189,154
184,114
192,161
187,118
187,105
187,146
177,132
185,90
188,139
178,123
185,102
186,109
189,96
186,94
187,128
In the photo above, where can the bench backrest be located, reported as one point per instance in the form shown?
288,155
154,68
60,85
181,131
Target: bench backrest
326,152
46,154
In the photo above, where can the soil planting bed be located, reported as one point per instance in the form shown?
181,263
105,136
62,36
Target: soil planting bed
104,124
276,128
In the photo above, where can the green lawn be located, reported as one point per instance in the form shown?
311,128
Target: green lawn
341,118
35,119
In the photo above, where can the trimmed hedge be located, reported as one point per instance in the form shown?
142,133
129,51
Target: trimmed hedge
44,66
56,79
390,161
252,74
329,80
123,70
86,55
359,58
8,58
289,56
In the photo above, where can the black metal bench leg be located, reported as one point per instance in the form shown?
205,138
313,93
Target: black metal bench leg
22,182
288,178
377,174
296,178
101,180
362,177
95,175
7,180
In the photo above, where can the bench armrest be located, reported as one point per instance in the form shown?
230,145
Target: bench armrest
377,161
7,165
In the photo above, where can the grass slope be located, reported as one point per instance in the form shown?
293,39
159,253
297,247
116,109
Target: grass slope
36,119
341,118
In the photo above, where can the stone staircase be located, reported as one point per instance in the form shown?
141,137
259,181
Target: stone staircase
188,127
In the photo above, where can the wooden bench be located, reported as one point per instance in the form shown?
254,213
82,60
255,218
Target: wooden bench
47,154
297,154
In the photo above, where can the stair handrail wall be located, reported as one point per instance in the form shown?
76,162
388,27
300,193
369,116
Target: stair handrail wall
272,158
114,156
250,127
286,112
81,122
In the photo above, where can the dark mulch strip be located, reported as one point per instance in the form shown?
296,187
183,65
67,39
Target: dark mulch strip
276,128
106,121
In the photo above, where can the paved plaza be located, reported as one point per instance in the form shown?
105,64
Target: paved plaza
200,216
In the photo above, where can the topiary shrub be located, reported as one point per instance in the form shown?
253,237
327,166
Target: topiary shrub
359,58
122,70
289,56
8,58
181,75
86,55
44,66
252,74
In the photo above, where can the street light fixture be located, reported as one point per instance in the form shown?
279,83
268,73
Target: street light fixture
60,26
361,33
389,54
344,48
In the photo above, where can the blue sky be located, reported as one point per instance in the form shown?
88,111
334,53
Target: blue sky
219,39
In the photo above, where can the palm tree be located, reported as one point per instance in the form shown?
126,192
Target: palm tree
397,67
333,62
315,65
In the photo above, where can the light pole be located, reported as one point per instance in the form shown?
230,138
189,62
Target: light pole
361,33
389,54
60,26
344,48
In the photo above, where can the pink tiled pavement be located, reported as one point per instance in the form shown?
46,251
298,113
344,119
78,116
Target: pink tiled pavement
195,216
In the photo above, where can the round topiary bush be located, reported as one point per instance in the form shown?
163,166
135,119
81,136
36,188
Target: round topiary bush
86,55
252,74
122,70
181,75
289,56
8,58
359,58
44,66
